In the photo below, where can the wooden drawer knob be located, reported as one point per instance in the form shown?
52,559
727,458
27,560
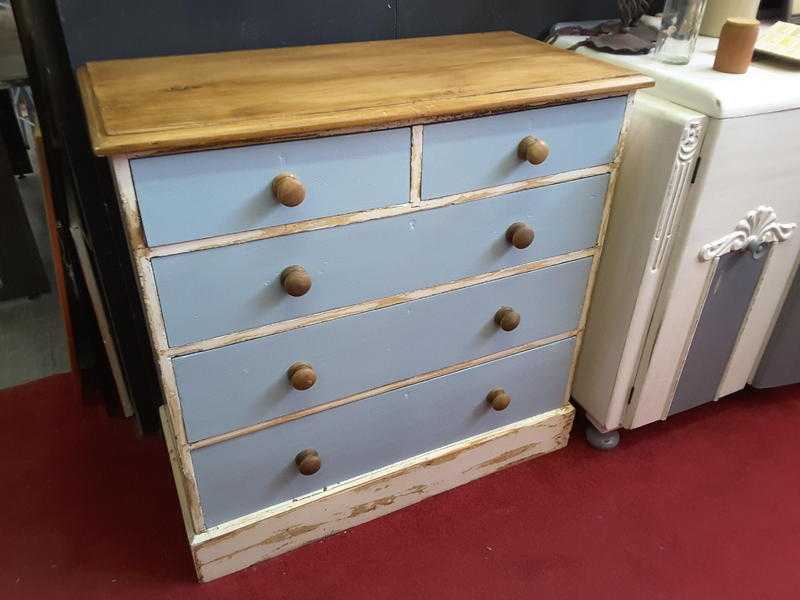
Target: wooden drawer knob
302,376
520,235
498,399
295,280
308,461
288,189
507,318
534,150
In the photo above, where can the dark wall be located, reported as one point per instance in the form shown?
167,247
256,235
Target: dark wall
103,29
531,17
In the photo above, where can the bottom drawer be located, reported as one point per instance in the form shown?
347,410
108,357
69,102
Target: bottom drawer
255,471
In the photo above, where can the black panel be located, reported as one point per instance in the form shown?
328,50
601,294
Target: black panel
104,29
9,128
21,269
728,299
79,177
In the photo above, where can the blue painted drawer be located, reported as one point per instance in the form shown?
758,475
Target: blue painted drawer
242,384
201,194
477,153
213,292
246,474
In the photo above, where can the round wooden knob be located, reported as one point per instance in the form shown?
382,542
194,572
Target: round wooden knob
288,189
498,399
301,375
295,280
534,150
507,318
308,461
520,235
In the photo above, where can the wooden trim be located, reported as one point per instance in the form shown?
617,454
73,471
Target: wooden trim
177,476
316,126
386,83
120,168
129,205
250,539
367,215
601,238
415,193
370,119
229,435
336,313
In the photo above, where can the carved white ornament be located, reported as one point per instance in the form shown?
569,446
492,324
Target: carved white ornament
690,141
679,179
758,228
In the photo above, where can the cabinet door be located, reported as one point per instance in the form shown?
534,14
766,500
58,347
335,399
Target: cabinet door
735,280
724,212
780,364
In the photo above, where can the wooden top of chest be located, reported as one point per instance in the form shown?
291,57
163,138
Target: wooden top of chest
157,105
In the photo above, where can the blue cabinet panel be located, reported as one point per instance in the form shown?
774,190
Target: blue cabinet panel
254,471
212,292
234,386
215,192
478,153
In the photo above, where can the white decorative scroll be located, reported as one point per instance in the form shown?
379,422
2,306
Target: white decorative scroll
679,179
758,228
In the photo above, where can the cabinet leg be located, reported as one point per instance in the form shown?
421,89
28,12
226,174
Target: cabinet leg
601,440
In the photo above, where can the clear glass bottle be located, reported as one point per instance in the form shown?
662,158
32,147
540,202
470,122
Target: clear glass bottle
680,24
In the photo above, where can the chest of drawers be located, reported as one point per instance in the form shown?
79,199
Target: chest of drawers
366,267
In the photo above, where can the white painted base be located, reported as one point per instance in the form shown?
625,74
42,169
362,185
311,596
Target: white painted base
245,541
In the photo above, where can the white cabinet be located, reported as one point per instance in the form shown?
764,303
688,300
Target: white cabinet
701,246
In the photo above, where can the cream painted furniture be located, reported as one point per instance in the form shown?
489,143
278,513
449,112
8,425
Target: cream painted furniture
701,241
366,267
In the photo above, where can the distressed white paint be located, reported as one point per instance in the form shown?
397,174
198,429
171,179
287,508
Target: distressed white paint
237,544
654,178
747,161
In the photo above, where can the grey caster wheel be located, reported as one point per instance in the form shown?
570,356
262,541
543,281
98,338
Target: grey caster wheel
601,440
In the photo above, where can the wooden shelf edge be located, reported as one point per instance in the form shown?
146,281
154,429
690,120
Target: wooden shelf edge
352,121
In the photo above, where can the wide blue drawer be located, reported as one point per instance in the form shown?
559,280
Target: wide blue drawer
238,385
202,194
254,471
209,293
480,153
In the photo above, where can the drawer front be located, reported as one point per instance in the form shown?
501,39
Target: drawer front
201,194
242,384
477,153
246,474
213,292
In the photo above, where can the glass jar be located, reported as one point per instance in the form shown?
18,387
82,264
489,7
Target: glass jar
680,24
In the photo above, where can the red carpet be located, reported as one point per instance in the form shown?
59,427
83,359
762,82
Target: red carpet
705,506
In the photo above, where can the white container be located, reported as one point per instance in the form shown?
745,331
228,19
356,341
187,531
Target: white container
718,11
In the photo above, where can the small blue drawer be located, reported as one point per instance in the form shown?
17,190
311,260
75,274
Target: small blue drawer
255,471
215,192
478,153
235,386
209,293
